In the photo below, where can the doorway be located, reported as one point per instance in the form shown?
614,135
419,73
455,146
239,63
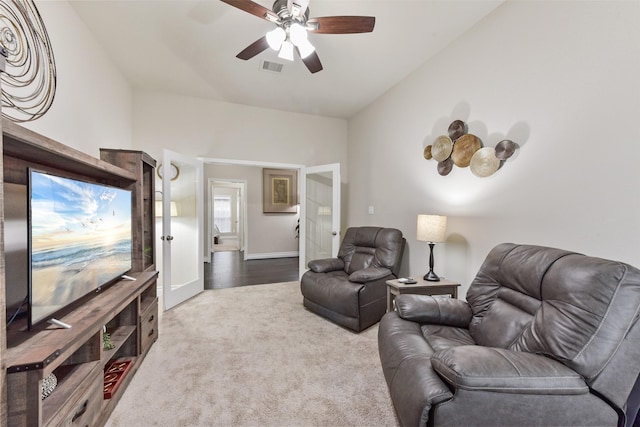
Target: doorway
257,246
227,213
259,235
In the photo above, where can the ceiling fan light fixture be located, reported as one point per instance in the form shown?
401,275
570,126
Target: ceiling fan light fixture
276,37
297,34
286,51
299,37
305,49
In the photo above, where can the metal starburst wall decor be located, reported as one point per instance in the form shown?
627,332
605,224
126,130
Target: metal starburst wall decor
29,80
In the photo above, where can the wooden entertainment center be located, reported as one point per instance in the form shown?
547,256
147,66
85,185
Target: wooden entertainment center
128,308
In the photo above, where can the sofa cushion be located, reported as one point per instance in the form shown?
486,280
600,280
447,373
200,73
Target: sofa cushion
583,326
554,302
505,293
442,337
364,247
506,371
504,322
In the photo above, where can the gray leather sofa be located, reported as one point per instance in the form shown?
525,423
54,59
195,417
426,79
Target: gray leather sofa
351,289
546,337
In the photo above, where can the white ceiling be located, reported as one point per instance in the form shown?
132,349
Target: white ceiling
189,48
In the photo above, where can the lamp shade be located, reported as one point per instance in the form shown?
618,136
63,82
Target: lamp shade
431,228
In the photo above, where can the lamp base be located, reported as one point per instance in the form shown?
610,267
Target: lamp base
431,277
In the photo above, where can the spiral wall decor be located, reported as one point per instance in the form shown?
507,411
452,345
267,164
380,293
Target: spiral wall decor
29,80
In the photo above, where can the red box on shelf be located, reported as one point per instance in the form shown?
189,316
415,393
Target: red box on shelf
114,373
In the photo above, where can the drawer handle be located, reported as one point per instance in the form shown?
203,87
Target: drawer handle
81,411
151,332
151,318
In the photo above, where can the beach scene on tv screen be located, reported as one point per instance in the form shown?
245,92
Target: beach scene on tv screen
80,240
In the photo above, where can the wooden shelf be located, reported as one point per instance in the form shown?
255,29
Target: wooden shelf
68,384
127,308
36,347
23,147
118,338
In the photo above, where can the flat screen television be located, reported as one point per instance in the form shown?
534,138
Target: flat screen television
80,240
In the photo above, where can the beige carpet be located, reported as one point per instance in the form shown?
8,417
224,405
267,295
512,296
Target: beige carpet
225,247
226,244
253,356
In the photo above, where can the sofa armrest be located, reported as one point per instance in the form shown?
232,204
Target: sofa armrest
369,274
326,265
499,370
439,311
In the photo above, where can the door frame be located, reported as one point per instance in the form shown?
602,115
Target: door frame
242,185
253,163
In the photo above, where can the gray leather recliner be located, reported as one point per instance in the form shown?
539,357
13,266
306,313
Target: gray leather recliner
351,289
546,337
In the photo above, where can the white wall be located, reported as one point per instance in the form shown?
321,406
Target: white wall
559,78
92,107
207,128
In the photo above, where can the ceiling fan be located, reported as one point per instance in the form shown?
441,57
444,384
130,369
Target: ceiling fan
292,25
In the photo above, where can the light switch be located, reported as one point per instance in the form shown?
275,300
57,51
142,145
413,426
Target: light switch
371,210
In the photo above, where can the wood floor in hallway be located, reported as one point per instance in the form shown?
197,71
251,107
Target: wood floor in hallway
229,270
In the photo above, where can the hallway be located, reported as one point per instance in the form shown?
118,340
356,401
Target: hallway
228,269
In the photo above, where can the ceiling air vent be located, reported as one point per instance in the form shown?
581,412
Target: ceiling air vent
274,67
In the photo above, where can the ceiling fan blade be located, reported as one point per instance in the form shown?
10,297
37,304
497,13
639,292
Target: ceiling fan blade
254,9
254,48
342,24
312,62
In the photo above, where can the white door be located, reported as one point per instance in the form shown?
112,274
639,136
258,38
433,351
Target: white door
320,210
182,230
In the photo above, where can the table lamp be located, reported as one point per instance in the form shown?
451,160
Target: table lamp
431,229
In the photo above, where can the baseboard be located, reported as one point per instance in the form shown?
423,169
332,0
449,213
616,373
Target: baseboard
272,255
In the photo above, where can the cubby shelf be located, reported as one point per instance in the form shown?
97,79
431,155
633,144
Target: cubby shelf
55,406
119,337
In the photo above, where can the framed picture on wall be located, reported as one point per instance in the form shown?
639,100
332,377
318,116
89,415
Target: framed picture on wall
279,190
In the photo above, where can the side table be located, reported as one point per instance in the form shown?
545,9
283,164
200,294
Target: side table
423,287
